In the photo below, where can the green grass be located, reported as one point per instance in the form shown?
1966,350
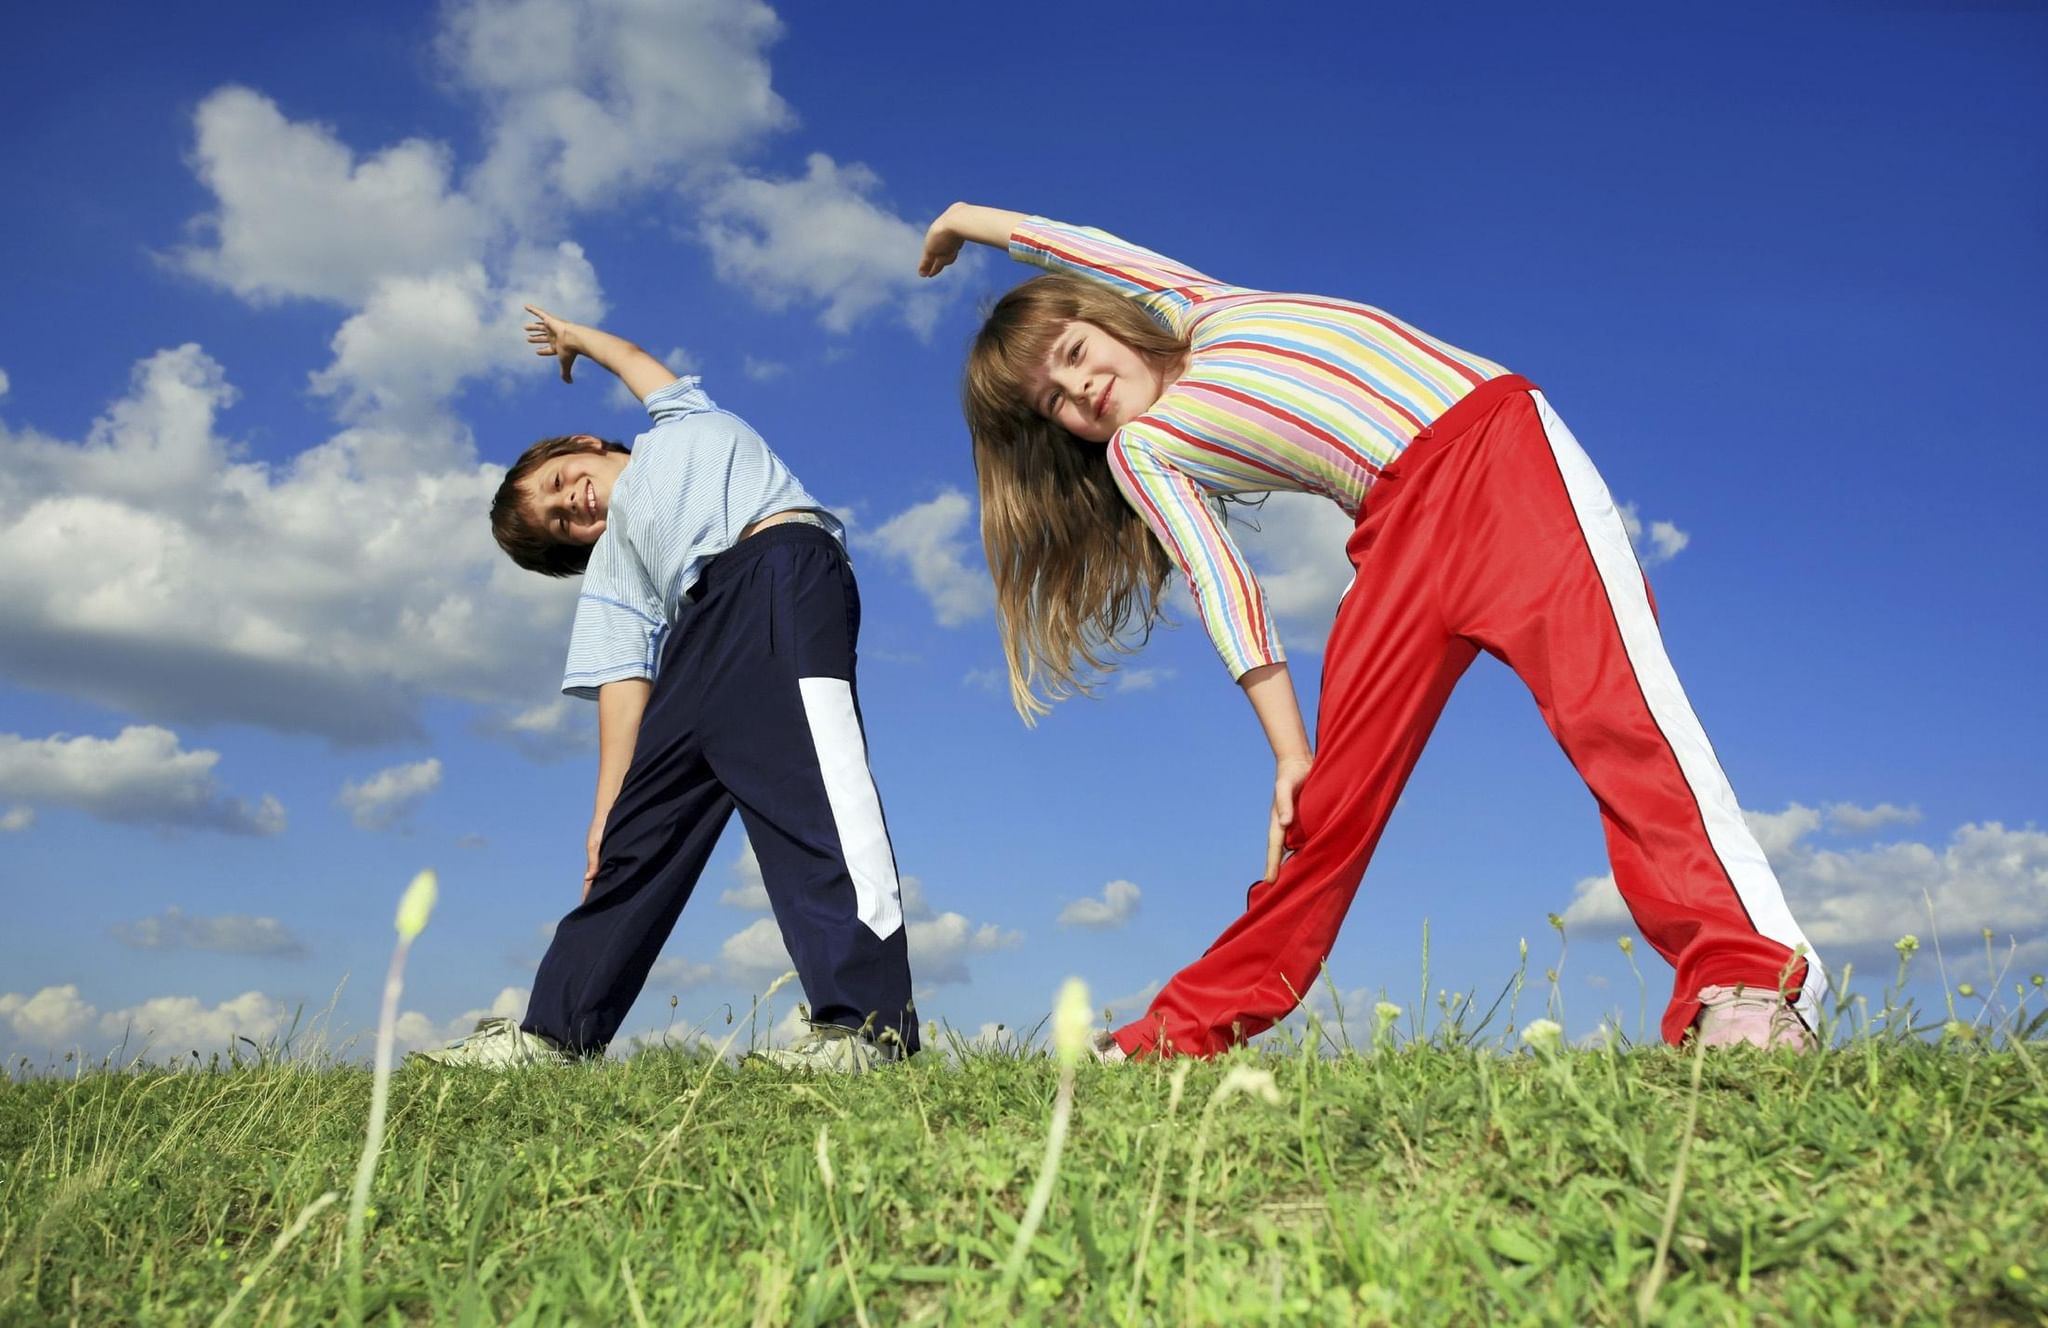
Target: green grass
1887,1181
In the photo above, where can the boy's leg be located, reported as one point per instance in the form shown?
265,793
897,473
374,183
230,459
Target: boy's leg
1388,670
784,734
1553,587
657,839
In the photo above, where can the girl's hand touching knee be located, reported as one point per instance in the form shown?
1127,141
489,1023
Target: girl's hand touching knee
1288,774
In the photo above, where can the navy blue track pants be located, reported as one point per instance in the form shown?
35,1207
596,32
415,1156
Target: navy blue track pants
754,707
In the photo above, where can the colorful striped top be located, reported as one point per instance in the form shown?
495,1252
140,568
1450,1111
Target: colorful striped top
1299,392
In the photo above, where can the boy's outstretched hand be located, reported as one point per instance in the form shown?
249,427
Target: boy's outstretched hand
549,335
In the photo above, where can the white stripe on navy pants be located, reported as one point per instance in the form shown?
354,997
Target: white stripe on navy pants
755,707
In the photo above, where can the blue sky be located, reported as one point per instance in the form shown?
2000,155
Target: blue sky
1782,273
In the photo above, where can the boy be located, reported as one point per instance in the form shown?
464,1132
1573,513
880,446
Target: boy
716,631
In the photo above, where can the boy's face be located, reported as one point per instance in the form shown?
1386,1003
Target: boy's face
571,496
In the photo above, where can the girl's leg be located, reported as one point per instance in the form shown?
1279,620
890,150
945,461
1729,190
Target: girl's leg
1389,668
1547,580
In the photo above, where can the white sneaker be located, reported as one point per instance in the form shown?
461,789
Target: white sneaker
833,1049
496,1044
1104,1047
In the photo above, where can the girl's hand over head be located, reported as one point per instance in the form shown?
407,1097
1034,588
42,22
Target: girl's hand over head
1288,774
941,247
549,335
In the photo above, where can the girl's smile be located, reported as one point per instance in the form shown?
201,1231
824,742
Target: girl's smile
1091,383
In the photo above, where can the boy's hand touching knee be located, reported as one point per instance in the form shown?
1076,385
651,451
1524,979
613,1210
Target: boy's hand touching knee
592,844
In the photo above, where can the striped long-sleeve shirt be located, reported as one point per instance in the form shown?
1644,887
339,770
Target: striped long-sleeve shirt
1299,392
696,480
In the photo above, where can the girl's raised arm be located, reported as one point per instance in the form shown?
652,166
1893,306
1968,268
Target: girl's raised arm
957,225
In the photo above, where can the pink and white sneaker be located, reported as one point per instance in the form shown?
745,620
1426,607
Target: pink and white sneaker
1756,1016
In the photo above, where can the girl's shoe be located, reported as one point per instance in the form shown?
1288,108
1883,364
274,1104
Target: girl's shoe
1749,1015
496,1044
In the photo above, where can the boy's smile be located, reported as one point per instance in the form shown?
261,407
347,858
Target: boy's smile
571,496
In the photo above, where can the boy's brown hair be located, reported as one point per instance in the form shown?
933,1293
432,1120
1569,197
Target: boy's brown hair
529,542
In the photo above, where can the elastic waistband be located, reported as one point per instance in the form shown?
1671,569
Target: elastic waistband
796,530
1474,405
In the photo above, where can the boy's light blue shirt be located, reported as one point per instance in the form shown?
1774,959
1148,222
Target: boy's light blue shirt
697,479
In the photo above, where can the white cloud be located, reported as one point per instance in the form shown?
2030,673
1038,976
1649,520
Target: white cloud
755,954
1854,903
679,974
762,371
1848,818
1118,905
386,799
1295,542
1657,542
17,819
928,540
584,100
939,944
989,680
50,1018
557,727
4,383
747,890
298,215
1139,680
141,776
415,1031
228,933
163,1028
820,239
151,571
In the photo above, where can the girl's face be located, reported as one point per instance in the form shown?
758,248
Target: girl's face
1091,384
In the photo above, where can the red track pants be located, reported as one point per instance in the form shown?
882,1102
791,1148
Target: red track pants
1493,532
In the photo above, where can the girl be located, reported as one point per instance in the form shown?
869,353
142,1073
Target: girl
1117,399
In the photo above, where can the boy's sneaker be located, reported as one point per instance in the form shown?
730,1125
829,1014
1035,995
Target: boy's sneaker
1730,1016
1106,1049
496,1044
832,1049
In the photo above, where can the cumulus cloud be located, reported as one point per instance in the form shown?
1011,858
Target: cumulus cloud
820,239
415,1031
4,383
680,974
939,944
1854,902
929,541
17,819
584,100
1139,680
1848,818
747,890
386,799
1295,542
298,215
1117,906
152,570
762,371
1657,541
227,933
163,1028
141,776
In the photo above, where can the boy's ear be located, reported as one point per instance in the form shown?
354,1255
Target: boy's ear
589,442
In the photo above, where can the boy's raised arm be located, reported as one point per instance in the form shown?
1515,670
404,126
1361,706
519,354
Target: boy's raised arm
642,374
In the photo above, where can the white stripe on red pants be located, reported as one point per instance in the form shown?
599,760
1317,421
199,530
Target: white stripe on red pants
1493,532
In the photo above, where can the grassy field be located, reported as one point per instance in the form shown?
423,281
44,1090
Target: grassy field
1891,1180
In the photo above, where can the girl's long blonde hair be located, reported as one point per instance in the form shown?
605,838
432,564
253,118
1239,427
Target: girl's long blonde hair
1074,566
